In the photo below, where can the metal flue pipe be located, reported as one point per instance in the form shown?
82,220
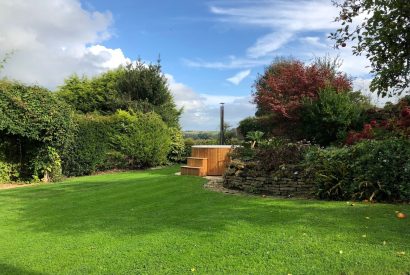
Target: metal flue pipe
221,135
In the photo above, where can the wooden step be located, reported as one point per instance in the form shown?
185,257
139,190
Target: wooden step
198,162
192,171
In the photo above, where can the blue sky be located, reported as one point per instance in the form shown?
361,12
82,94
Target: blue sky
211,51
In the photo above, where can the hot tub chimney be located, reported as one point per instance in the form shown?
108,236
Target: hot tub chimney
221,134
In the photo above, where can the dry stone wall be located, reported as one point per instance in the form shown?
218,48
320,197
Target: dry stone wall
287,181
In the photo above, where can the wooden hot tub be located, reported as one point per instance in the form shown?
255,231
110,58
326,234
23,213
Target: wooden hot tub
207,160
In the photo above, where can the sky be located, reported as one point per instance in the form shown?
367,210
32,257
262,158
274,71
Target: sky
210,51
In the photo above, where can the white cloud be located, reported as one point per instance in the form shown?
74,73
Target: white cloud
53,39
284,22
309,15
201,111
231,63
236,79
284,18
314,41
268,44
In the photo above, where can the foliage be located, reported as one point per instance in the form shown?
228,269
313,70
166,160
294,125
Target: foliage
260,123
98,94
392,121
47,165
138,87
274,153
382,34
88,152
285,83
33,120
230,135
143,138
177,151
8,172
202,135
34,113
144,88
120,141
330,116
255,137
373,170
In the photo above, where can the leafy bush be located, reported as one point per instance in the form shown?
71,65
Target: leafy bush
32,119
143,138
260,123
270,155
87,153
371,169
8,172
97,94
390,122
273,154
47,165
176,153
138,86
34,113
329,117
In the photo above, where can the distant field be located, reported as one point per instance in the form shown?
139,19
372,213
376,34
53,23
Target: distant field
153,222
201,134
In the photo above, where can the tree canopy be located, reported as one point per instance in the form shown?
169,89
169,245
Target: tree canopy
381,31
138,87
286,82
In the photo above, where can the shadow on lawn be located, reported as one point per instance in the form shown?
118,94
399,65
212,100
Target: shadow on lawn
11,270
143,204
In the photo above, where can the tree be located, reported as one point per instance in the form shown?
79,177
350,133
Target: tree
383,36
138,87
285,83
143,87
98,94
330,116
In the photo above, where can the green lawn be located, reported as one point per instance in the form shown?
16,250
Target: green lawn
153,222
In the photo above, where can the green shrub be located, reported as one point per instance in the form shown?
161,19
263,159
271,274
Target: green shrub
143,138
252,124
8,172
274,153
330,116
87,153
47,165
31,119
375,170
188,143
271,154
177,151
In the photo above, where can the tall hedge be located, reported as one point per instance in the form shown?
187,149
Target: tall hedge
35,127
121,141
143,138
90,146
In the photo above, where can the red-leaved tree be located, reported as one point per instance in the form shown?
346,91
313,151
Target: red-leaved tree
286,82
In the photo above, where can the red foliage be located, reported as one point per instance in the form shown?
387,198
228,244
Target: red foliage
284,85
399,125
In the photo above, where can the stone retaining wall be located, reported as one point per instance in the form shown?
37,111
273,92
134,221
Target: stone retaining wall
288,181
